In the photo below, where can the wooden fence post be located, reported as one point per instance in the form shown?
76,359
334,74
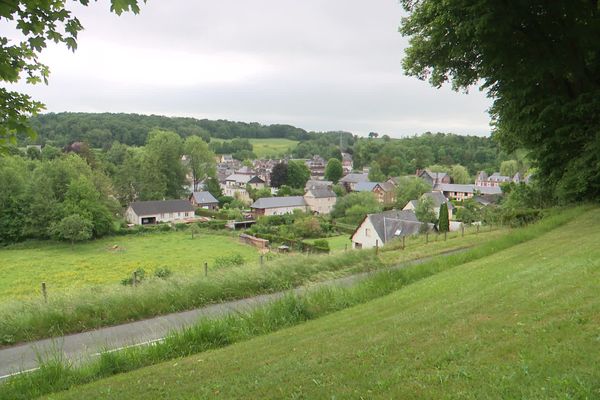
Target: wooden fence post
426,237
403,244
462,229
134,279
477,232
445,235
346,247
261,260
44,292
376,246
205,268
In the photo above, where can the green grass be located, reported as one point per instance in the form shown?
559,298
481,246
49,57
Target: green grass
99,262
336,243
273,147
522,323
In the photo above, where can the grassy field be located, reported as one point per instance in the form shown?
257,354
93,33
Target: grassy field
105,261
522,323
273,147
336,243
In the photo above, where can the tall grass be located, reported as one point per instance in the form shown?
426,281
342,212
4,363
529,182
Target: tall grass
211,333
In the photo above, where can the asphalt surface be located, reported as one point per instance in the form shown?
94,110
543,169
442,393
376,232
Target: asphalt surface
86,345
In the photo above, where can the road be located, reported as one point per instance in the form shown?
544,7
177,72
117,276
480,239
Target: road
83,346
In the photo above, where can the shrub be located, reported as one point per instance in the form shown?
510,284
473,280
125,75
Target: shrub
140,274
162,272
229,261
321,245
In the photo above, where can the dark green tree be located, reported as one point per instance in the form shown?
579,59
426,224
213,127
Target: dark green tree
375,174
279,175
73,228
424,210
334,170
297,174
443,219
540,62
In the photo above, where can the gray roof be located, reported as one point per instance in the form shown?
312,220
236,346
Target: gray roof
452,187
321,192
395,223
438,199
161,207
434,175
355,178
488,189
365,186
499,178
204,198
244,178
276,202
313,183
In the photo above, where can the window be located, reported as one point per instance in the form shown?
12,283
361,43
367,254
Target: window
367,232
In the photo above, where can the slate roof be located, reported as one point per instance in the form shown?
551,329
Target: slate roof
322,192
496,177
313,183
243,178
435,176
394,223
204,198
152,207
276,202
451,187
438,199
355,178
365,186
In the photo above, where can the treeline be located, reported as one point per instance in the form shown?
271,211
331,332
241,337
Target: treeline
100,130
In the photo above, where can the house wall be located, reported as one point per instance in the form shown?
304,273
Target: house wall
281,210
133,218
322,205
366,236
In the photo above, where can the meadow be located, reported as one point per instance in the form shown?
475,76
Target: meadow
109,260
270,148
517,323
336,243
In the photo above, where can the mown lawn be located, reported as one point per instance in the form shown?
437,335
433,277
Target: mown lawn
272,147
336,243
108,260
522,323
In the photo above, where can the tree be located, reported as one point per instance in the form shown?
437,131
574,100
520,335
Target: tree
212,186
443,219
279,175
509,168
375,174
410,188
201,161
36,22
334,170
194,230
297,174
73,228
164,150
354,206
459,174
424,210
537,61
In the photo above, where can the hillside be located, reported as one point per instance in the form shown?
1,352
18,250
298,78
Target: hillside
523,323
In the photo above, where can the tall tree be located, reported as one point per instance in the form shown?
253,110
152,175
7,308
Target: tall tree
509,168
73,228
164,150
443,219
334,170
375,173
36,23
540,62
459,174
424,210
201,161
279,175
297,174
410,188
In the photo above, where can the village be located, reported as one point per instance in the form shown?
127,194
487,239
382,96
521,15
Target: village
241,182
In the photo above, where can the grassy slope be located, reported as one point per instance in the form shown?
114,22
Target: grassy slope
273,147
96,262
524,323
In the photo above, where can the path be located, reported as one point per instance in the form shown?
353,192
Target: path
82,346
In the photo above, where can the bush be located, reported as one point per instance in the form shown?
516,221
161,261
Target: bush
162,272
229,261
140,274
321,245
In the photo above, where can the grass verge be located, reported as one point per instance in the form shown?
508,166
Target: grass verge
292,310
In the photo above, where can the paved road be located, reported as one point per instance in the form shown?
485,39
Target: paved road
82,346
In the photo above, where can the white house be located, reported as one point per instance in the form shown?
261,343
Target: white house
153,212
378,229
278,205
235,186
320,200
437,198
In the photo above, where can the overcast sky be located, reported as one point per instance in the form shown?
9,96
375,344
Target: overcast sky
317,64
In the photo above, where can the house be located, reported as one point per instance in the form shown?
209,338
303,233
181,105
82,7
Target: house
266,206
433,178
437,199
153,212
313,184
385,192
463,192
347,164
350,180
235,186
320,200
204,200
316,166
494,180
378,229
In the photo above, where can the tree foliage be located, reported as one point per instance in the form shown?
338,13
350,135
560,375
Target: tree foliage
410,188
443,219
334,170
297,174
201,161
424,210
279,175
73,228
459,174
540,62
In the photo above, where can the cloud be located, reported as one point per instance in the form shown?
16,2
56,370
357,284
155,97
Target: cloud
317,64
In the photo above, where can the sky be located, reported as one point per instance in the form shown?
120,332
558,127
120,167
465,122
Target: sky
317,64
